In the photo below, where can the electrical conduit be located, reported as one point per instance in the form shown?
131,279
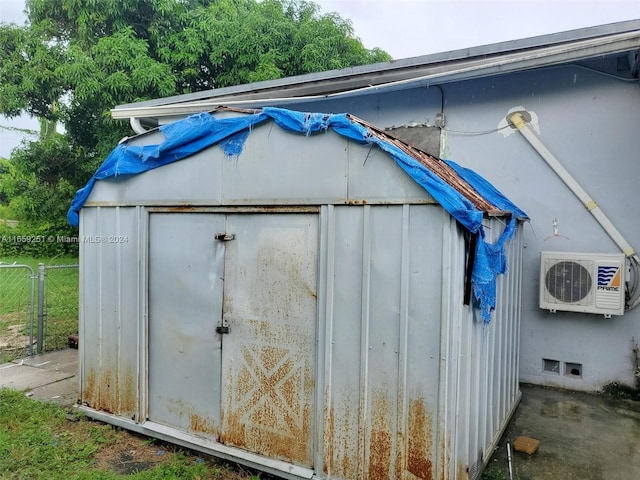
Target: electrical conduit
518,121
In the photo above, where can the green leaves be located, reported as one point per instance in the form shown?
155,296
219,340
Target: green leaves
231,42
90,55
77,59
28,71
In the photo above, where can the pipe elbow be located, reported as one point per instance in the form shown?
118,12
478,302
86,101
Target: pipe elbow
136,125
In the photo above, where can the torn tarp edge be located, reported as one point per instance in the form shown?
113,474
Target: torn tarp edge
192,134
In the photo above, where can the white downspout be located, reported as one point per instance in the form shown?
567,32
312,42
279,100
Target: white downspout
519,122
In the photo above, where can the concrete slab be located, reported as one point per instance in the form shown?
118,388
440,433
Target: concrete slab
59,360
63,393
51,376
582,437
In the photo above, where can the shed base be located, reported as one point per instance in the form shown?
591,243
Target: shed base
172,435
496,439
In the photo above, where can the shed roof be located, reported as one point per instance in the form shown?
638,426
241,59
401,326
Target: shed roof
464,194
440,68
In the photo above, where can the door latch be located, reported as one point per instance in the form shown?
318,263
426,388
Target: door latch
222,330
224,237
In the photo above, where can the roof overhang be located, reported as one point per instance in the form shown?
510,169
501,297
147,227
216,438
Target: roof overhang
414,72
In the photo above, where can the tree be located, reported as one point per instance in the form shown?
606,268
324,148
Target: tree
90,55
39,180
76,59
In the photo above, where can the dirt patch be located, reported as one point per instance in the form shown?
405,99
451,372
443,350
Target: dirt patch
133,453
130,455
13,339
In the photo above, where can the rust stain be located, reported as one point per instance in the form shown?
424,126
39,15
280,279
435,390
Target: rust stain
127,394
182,208
111,393
463,472
268,380
88,390
108,392
380,441
329,430
234,431
380,455
244,205
187,207
96,391
388,454
349,451
264,440
445,459
202,425
420,441
341,453
268,408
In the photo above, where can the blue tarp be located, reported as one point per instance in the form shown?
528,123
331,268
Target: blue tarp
197,132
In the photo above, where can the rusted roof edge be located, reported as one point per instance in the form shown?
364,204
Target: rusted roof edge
437,166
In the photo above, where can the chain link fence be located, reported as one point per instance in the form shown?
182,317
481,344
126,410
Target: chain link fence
17,307
58,312
38,309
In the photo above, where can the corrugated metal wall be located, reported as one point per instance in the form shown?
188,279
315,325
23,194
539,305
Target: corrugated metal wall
380,328
409,380
112,303
479,372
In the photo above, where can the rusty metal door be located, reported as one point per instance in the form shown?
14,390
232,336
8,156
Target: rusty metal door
186,269
268,357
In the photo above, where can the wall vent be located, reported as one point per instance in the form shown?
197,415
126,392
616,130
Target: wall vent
551,366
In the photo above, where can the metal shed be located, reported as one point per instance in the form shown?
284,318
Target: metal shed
294,294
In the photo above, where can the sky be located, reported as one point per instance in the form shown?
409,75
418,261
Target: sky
408,28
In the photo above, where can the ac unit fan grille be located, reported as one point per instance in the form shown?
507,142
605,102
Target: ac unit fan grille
568,281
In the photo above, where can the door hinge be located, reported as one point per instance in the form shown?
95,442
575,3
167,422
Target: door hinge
222,330
224,237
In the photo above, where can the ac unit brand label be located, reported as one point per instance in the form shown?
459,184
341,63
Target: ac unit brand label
609,278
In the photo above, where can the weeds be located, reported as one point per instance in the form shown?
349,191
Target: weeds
43,441
493,473
622,392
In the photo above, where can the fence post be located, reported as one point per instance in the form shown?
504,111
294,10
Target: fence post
31,310
40,307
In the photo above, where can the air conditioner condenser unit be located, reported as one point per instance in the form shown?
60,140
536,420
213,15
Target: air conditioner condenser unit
583,282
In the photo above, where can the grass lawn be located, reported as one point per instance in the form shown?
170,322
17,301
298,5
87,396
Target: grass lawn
43,441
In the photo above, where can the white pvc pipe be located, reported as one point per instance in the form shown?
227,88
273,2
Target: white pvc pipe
136,125
519,122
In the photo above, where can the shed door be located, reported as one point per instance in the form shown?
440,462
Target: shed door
268,357
252,387
185,305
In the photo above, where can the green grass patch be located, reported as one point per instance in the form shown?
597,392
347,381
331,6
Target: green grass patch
34,442
43,441
493,473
